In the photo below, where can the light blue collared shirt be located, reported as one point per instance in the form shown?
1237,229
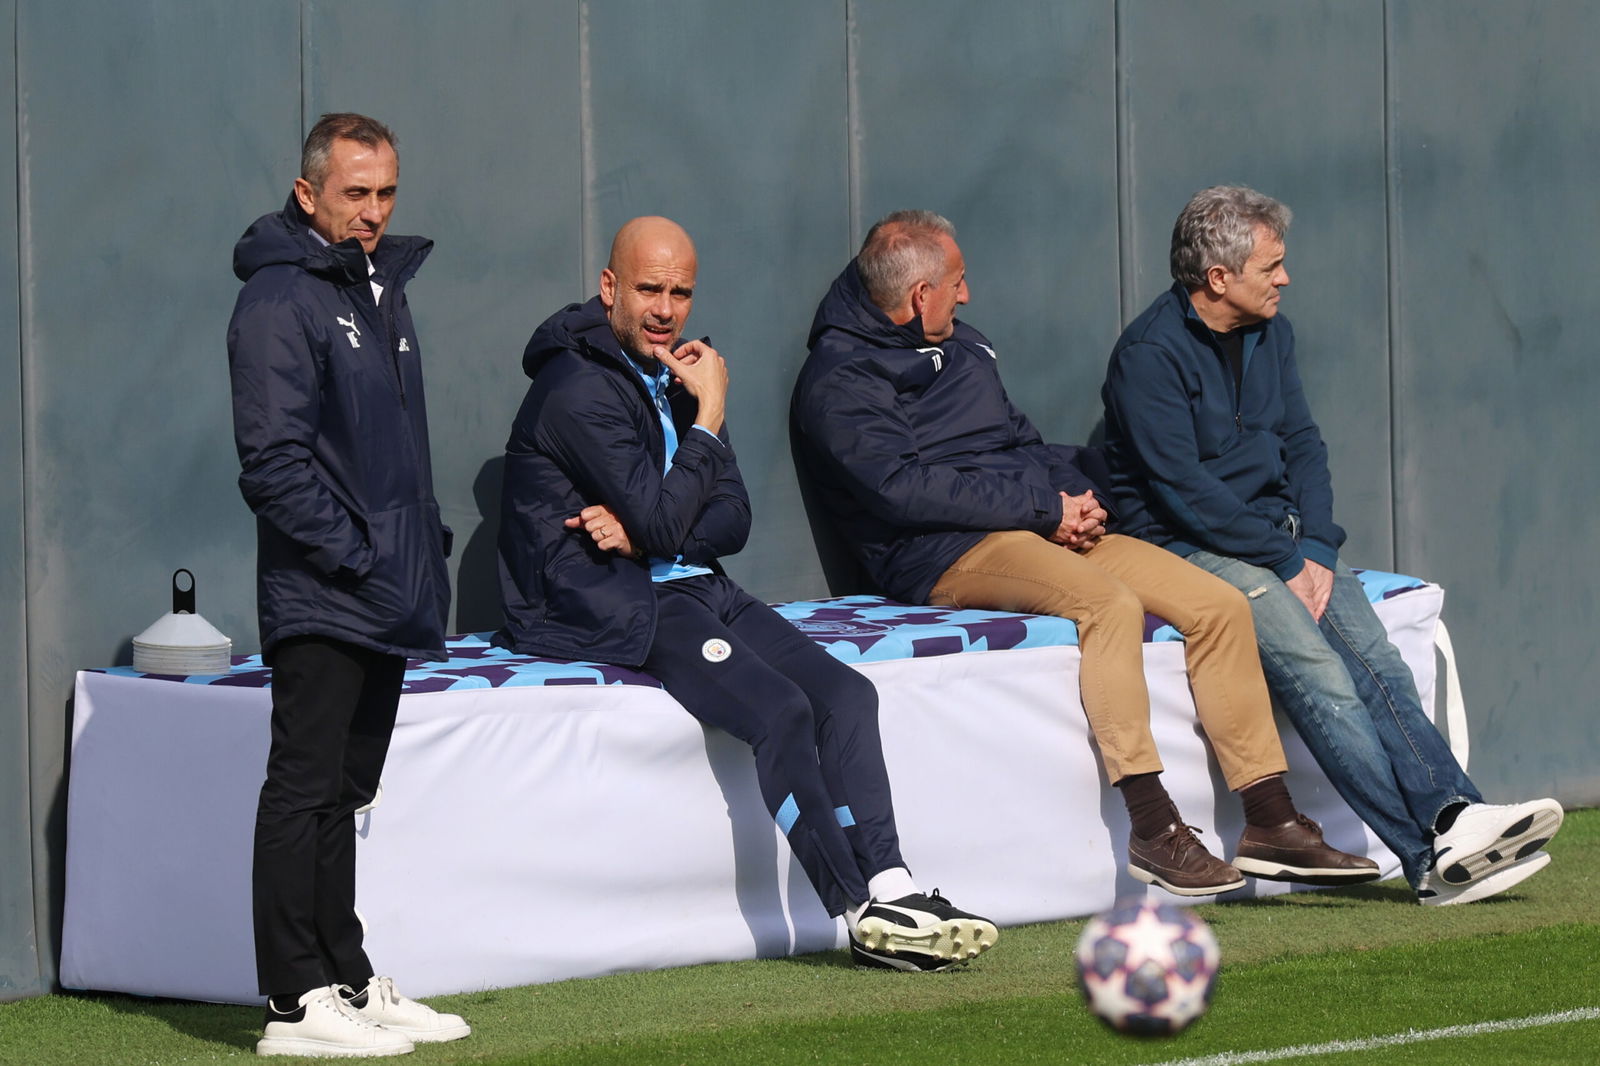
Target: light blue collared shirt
656,385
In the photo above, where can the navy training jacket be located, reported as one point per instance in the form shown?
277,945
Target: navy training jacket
588,433
1195,465
914,449
332,434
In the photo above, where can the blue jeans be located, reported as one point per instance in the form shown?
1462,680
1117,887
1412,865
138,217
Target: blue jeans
1354,702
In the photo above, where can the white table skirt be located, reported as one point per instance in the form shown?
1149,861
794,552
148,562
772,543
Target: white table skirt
535,834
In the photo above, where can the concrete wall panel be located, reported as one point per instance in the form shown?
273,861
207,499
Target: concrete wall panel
1493,108
19,962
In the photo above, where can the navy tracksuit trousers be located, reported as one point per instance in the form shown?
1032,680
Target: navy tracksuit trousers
812,722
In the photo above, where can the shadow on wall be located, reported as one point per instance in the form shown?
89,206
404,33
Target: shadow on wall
478,579
55,854
840,567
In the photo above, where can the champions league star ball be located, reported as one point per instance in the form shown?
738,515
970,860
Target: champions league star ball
1147,968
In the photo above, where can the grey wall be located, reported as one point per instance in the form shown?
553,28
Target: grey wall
1494,361
1437,154
18,971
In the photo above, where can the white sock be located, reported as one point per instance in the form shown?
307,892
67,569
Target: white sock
892,883
852,916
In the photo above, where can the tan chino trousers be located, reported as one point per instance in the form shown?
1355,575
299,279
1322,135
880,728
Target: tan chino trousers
1106,591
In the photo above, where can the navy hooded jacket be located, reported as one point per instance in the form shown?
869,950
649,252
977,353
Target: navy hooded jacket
914,449
588,433
1195,465
332,434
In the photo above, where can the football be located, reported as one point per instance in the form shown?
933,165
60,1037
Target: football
1147,968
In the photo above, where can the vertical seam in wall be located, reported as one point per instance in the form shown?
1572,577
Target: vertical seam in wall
1390,203
588,239
1124,168
24,314
852,154
305,102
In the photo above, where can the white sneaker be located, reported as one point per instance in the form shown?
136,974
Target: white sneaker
388,1008
324,1026
1434,892
1488,837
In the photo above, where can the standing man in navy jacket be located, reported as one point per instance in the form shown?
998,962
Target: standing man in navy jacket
332,436
949,496
621,490
1214,454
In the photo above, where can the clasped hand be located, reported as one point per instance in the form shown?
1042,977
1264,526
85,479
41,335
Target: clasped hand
1083,522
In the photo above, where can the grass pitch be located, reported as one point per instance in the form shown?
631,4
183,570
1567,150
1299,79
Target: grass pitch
1299,972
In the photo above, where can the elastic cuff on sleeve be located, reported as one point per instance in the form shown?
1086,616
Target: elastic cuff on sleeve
708,433
1320,553
1047,505
1290,568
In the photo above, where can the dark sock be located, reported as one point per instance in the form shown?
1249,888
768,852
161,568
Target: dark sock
359,999
285,1007
1267,802
1447,818
1150,809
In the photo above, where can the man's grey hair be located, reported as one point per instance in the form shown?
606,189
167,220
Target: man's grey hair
340,126
1217,227
901,249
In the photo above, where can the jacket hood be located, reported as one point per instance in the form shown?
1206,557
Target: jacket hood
575,327
847,308
578,327
283,238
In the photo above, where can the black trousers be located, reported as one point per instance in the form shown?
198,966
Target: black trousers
812,722
333,709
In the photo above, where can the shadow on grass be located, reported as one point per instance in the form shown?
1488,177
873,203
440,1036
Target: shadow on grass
1384,892
1380,892
834,959
217,1023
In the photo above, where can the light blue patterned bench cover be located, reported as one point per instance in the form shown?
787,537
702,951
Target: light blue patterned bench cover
854,629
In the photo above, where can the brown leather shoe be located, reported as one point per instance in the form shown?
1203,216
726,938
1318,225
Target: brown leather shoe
1179,863
1295,851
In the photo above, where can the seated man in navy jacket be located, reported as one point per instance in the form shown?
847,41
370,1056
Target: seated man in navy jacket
621,491
1214,454
949,496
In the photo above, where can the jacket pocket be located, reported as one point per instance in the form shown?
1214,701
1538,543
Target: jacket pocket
406,594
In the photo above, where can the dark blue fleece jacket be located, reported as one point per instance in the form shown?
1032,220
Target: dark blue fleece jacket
332,433
915,449
587,433
1196,463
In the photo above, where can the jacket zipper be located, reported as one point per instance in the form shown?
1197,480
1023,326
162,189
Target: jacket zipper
394,352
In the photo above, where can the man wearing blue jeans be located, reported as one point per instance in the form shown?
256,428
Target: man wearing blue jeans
1214,455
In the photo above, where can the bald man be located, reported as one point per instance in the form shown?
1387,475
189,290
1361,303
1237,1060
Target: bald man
621,492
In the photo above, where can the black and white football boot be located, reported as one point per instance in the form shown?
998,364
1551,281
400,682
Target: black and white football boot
920,934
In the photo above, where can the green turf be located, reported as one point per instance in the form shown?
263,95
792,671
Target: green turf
1299,969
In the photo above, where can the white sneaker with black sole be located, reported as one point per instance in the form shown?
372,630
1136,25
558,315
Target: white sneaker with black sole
1488,837
381,1002
919,933
1436,892
324,1026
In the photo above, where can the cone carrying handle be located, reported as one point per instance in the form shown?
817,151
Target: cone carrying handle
182,598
